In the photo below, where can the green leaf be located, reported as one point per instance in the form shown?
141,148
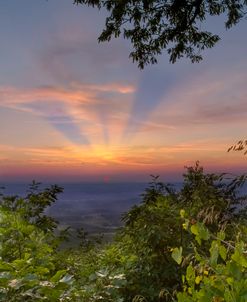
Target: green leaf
203,231
177,254
190,275
221,235
214,253
182,213
5,267
239,256
223,252
58,275
234,270
194,229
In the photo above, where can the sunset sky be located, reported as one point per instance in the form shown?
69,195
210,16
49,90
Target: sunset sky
75,110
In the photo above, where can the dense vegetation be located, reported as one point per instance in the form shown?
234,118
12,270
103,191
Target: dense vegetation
186,245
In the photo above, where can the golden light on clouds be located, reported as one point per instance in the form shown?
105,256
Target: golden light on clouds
73,109
84,129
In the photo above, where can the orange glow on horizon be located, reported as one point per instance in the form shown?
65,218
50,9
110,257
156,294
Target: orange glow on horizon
83,131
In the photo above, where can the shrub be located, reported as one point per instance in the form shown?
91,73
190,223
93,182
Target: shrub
220,273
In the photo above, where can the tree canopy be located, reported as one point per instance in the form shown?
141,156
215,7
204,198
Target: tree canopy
172,25
202,226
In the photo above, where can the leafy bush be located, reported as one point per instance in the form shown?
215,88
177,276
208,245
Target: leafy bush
220,274
27,263
154,227
32,207
202,227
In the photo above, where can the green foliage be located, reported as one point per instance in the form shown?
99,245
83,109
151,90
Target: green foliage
149,236
34,204
154,228
27,263
29,270
221,273
97,272
177,254
185,245
213,198
155,25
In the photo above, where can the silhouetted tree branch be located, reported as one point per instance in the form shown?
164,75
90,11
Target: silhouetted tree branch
156,25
